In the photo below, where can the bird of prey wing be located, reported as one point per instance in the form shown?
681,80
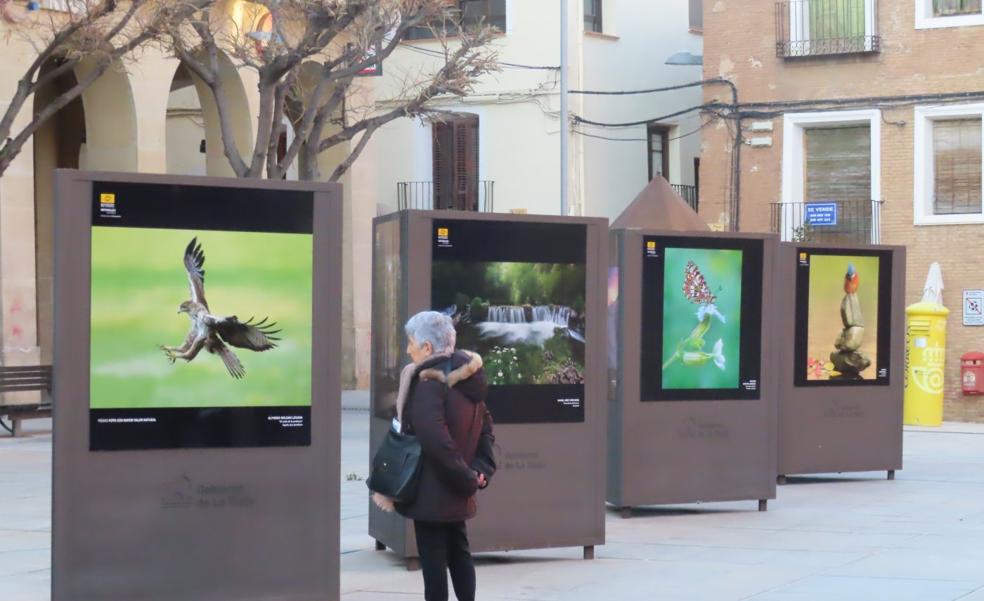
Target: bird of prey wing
232,362
258,336
194,262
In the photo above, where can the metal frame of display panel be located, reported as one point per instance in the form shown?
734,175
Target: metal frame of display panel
842,428
548,490
685,451
216,523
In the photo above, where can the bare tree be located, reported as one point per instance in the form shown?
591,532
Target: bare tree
100,32
307,54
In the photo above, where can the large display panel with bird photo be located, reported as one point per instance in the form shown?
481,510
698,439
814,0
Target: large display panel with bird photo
701,318
201,313
843,317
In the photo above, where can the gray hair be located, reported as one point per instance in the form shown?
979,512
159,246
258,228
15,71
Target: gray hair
433,327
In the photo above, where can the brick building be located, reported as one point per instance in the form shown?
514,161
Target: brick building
875,105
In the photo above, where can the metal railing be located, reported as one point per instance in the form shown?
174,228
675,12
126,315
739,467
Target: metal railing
689,194
420,195
826,27
847,221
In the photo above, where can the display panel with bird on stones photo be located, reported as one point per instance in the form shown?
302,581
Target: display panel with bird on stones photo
842,339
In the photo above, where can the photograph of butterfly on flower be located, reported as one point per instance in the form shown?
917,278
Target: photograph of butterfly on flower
701,318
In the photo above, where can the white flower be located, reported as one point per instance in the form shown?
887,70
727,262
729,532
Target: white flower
500,374
710,309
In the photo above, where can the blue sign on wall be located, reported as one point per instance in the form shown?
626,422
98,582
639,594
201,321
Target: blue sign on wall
819,214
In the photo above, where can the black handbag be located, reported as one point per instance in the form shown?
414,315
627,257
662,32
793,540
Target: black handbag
396,466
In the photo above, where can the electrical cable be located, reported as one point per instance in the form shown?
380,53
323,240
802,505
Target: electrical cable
4,425
438,53
578,119
673,139
692,84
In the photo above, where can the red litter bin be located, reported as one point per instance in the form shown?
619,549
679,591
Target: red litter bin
972,373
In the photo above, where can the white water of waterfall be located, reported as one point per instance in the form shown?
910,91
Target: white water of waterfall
507,314
555,314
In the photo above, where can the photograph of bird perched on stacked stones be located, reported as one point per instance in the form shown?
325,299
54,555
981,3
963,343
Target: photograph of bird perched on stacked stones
157,342
843,316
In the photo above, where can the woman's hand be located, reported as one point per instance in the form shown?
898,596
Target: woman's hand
480,478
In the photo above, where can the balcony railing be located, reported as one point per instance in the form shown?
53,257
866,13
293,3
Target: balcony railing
844,221
826,27
420,195
689,194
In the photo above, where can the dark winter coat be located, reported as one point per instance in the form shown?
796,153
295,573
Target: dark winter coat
446,411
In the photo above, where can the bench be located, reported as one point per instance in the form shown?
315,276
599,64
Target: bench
31,378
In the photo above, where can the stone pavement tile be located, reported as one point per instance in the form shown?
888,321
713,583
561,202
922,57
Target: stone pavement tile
977,595
842,588
23,540
919,564
32,586
15,565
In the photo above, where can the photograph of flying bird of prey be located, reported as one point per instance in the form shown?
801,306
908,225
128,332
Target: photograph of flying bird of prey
215,333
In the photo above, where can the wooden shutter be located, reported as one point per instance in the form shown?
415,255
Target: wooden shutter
455,159
947,8
697,15
838,169
443,141
957,166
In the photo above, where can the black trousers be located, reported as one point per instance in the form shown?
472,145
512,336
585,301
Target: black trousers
443,547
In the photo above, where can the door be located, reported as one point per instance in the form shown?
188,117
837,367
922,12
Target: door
455,155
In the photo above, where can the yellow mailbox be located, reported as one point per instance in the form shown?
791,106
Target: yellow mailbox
925,359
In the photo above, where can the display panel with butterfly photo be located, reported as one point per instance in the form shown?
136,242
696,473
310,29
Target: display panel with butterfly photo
701,318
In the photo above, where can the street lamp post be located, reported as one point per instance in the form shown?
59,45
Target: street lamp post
564,110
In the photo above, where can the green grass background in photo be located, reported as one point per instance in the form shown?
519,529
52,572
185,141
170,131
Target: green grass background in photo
722,272
138,282
826,293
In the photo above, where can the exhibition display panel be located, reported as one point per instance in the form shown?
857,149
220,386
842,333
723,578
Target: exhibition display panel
692,398
841,375
197,345
526,293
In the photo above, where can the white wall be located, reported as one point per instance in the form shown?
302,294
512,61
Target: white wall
518,109
646,34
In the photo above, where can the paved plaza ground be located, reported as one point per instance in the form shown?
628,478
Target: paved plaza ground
854,537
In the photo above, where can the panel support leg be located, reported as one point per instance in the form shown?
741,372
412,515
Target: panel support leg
413,564
380,546
891,474
589,552
17,426
763,504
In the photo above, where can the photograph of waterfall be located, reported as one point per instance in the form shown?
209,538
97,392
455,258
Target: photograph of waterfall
518,295
525,319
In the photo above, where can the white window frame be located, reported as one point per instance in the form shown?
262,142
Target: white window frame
923,164
794,126
926,20
799,28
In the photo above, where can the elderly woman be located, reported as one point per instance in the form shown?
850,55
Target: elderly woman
442,402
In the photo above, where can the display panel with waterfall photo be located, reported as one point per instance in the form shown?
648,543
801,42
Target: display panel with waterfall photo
200,321
702,304
843,317
524,316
